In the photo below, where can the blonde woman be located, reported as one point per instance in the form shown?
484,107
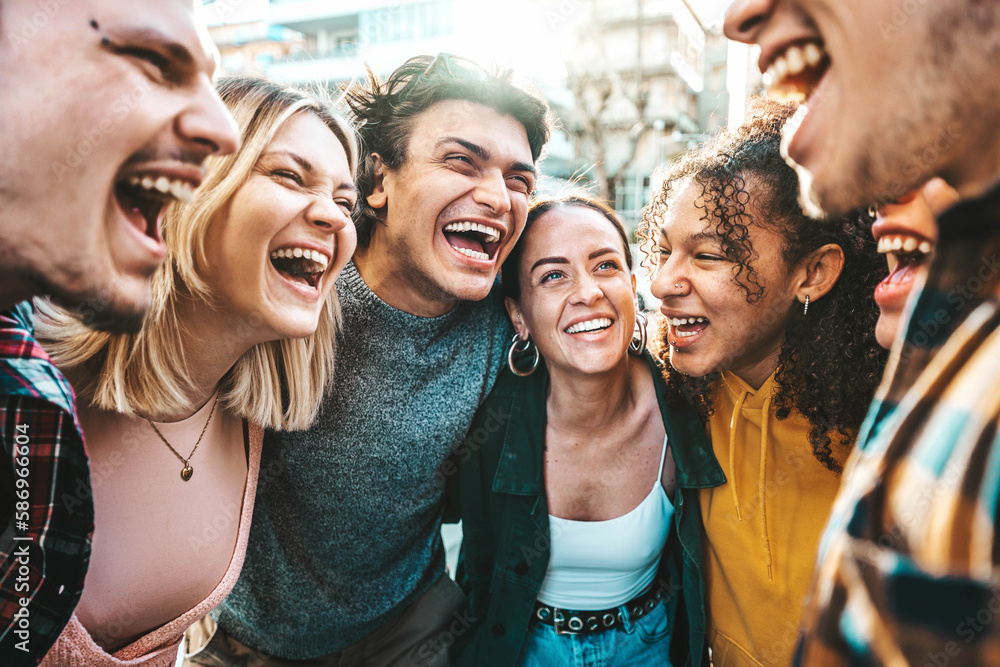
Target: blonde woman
239,337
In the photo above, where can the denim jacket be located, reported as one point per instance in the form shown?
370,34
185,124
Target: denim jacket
496,486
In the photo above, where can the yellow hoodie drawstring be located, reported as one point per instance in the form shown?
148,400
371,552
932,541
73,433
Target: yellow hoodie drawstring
732,453
762,481
762,487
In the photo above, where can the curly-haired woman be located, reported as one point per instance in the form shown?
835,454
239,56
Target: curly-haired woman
769,331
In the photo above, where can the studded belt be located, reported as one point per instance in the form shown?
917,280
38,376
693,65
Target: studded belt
592,622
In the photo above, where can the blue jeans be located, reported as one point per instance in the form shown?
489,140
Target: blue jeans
644,642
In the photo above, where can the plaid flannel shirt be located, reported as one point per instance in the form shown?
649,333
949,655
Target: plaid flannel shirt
45,494
908,567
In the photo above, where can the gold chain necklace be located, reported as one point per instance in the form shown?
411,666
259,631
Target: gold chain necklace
187,470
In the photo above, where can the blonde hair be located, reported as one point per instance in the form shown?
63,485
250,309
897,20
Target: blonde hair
146,372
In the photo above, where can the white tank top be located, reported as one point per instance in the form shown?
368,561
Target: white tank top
603,564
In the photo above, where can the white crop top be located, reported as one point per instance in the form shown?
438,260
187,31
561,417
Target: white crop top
603,564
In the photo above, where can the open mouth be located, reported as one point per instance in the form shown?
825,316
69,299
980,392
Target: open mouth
902,250
303,266
144,197
473,239
685,327
590,326
797,71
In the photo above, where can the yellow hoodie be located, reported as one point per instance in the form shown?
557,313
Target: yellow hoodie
762,527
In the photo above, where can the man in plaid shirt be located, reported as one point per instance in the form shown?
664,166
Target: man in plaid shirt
45,545
898,92
108,114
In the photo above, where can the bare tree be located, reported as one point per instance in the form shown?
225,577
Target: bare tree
597,88
594,130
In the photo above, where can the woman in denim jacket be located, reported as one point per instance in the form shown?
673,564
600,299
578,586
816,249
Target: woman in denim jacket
578,544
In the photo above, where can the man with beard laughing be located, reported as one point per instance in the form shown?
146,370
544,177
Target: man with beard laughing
897,93
108,113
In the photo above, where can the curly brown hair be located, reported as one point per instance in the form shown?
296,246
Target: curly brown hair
830,363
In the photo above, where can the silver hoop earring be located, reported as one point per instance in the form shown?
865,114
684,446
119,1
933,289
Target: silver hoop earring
525,345
805,308
638,342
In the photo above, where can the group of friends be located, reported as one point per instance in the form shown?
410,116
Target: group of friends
256,345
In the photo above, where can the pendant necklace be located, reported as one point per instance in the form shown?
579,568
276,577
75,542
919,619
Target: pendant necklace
187,470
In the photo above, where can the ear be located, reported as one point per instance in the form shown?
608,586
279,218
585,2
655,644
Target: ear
635,291
819,271
514,311
378,197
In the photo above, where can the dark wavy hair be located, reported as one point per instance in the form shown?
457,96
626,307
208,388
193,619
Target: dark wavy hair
385,111
510,274
830,363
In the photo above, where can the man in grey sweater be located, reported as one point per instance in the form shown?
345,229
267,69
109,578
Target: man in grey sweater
345,564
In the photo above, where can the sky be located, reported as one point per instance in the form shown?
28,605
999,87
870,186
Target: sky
526,35
709,11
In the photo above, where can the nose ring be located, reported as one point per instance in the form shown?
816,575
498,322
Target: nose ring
677,285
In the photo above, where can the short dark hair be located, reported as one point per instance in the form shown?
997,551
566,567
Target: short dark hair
384,112
511,274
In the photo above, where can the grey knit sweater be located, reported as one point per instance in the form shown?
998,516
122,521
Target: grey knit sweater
346,527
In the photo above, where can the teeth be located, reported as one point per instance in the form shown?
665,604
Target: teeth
475,254
796,62
492,235
787,67
893,261
904,243
812,54
314,256
678,321
178,189
182,191
780,68
590,325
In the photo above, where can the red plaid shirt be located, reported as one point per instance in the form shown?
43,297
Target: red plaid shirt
45,495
